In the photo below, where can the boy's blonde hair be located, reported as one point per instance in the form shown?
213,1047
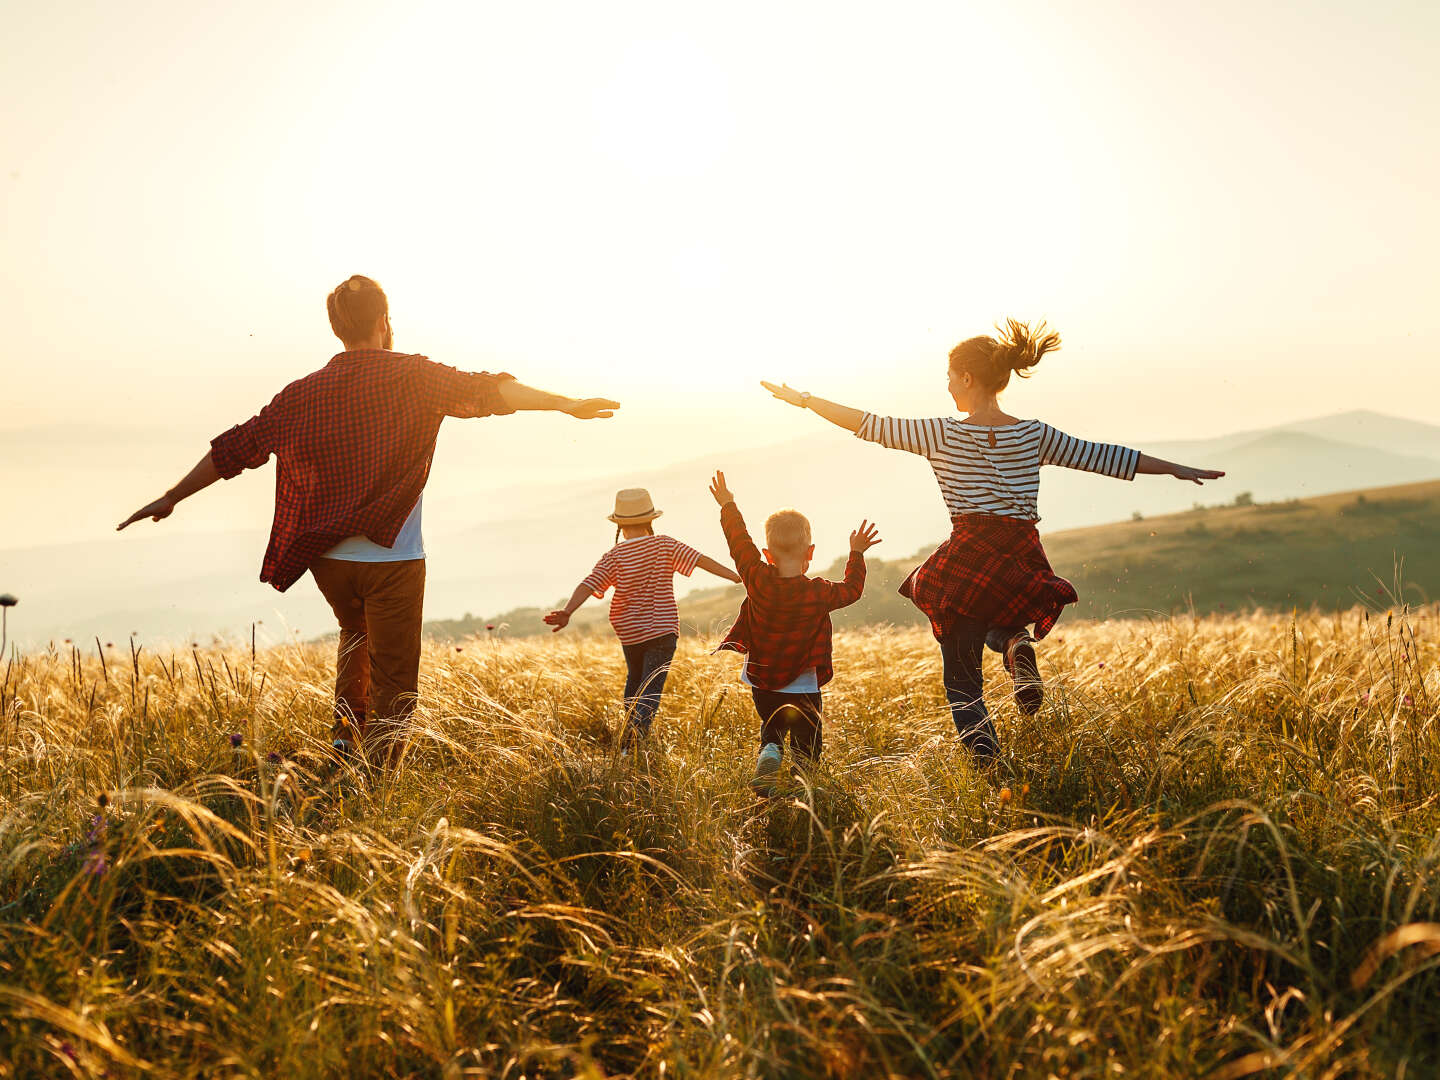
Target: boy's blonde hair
787,532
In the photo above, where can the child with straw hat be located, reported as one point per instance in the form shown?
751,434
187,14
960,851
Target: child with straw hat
641,569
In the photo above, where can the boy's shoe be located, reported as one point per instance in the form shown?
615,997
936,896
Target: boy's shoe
1020,663
767,769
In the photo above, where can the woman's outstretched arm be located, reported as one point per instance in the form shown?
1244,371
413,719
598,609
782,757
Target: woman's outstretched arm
839,415
1159,467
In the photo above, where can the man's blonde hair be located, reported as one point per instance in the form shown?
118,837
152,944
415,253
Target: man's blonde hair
787,532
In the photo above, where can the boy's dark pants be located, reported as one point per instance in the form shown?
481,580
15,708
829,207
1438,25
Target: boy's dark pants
960,653
801,721
377,665
647,663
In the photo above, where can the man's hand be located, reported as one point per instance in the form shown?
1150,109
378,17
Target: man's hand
719,490
155,511
1197,476
559,619
865,537
594,408
785,393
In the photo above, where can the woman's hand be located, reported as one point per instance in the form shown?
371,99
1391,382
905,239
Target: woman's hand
559,619
1196,476
786,393
865,537
595,408
719,490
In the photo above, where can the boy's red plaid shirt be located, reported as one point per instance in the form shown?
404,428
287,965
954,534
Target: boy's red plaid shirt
992,568
784,623
353,443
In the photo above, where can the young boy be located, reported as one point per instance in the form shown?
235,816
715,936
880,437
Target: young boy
784,626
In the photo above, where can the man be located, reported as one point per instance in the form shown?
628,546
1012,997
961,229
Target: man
353,444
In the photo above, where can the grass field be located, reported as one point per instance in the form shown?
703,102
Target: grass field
1212,853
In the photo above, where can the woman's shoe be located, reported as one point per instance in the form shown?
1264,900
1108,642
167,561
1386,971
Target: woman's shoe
1020,663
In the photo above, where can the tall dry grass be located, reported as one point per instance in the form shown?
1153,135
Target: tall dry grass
1213,852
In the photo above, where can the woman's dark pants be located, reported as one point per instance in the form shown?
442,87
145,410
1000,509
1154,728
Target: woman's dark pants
647,663
961,651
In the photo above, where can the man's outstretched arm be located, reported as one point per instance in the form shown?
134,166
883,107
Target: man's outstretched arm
524,398
197,479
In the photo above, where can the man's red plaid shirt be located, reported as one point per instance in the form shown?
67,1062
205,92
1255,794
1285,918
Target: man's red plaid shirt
352,443
784,622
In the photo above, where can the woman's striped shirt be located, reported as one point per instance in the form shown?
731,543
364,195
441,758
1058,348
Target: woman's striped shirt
1004,479
641,571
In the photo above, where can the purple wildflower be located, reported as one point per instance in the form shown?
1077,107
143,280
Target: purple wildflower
1408,701
96,864
1100,664
273,758
69,1051
236,739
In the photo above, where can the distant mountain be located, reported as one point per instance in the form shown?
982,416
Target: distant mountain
531,545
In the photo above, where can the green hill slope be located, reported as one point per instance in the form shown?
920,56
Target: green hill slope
1377,546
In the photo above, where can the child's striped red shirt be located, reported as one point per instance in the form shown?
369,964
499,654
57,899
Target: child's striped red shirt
641,571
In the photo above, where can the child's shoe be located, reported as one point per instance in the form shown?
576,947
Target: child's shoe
767,768
1020,663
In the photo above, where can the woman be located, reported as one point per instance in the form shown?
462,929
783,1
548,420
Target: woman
990,580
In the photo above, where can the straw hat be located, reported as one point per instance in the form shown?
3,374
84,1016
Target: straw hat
633,506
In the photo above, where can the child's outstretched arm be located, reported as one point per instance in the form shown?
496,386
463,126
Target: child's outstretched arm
839,415
717,568
742,548
1158,467
560,617
844,593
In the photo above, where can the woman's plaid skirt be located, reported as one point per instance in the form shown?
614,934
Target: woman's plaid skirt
993,569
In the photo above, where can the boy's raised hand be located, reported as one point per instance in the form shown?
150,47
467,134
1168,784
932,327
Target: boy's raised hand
865,537
719,490
559,619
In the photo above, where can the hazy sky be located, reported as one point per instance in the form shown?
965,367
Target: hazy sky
1227,209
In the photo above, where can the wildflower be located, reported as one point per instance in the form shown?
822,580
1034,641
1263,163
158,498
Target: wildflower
1100,664
1024,789
236,739
459,649
1005,794
69,1051
96,864
489,626
1408,701
1365,698
273,758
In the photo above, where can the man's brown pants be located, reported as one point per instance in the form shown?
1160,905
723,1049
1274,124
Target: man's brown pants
377,666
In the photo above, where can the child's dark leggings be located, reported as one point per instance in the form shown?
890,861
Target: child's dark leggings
801,721
961,651
647,663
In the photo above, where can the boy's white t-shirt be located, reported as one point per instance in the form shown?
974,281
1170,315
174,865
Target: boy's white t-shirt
409,544
807,682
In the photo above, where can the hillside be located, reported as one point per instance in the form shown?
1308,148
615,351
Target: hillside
1328,552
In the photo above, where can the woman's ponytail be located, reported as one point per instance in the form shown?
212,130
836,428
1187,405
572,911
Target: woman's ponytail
1017,348
1020,348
